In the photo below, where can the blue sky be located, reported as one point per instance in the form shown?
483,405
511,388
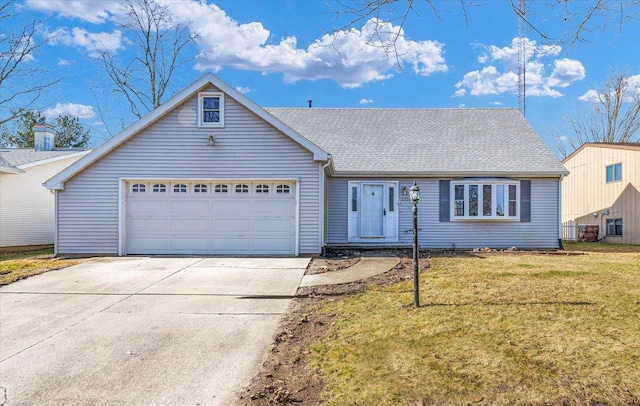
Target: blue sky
276,52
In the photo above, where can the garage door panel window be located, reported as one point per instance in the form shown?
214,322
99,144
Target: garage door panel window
139,188
262,188
201,188
242,188
221,188
159,188
283,189
179,188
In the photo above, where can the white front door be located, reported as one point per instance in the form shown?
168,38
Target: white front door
372,211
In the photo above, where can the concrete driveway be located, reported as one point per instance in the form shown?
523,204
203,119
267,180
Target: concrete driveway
140,330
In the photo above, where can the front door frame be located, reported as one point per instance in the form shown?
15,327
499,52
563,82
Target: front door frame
357,232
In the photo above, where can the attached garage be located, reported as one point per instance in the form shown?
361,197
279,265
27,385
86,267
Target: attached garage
210,217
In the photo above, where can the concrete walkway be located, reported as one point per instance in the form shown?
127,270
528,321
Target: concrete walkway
367,267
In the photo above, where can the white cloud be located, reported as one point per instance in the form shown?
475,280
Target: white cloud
243,90
95,12
496,103
350,57
90,41
63,62
78,110
502,75
566,71
366,101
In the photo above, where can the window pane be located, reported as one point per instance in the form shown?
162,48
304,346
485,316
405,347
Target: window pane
211,103
618,229
617,172
512,201
486,200
392,198
459,200
499,200
473,200
211,116
354,198
610,173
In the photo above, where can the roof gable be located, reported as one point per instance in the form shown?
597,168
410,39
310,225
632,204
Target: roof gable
57,182
427,142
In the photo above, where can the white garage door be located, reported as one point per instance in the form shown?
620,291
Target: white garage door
213,217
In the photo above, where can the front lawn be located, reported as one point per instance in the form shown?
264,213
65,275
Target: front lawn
19,265
493,329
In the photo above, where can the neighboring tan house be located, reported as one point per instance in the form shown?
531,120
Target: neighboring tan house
26,207
211,172
603,189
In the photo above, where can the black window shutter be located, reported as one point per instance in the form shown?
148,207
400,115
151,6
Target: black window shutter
525,201
445,207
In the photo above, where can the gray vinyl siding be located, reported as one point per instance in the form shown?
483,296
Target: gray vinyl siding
174,147
541,232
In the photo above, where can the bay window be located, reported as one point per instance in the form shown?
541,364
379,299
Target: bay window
485,199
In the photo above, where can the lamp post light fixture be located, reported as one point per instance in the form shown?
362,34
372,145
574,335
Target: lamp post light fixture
414,194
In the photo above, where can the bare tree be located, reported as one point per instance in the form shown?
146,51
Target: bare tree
19,42
580,17
613,115
158,42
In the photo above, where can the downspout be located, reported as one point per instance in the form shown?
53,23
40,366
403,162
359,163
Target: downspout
55,223
323,194
560,213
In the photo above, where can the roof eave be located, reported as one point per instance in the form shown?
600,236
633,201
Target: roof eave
449,174
10,169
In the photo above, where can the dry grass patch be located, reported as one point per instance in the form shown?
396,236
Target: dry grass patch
16,266
497,328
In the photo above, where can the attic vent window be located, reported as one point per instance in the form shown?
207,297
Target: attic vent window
211,110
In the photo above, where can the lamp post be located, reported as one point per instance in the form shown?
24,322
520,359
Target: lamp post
414,193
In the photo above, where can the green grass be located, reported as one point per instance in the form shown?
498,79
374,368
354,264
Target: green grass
573,246
563,329
19,265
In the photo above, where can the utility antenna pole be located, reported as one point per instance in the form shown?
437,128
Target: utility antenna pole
522,58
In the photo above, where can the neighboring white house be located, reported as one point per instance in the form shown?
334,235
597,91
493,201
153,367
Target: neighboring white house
211,172
26,206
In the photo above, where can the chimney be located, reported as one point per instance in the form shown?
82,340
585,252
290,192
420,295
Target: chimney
309,103
44,139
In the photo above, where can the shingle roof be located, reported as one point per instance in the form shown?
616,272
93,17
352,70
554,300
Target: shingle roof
425,141
11,159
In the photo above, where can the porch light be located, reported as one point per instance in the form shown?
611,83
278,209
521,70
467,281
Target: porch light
212,140
414,194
